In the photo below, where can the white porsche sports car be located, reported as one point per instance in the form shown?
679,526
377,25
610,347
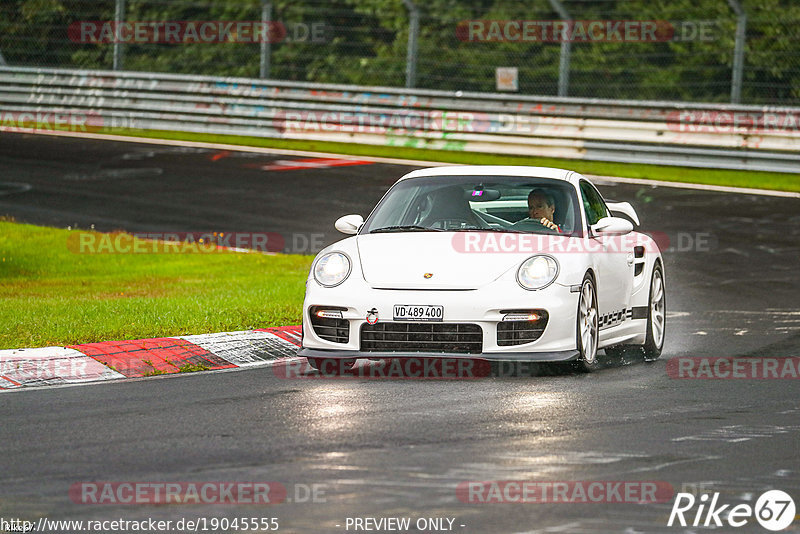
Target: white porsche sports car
489,262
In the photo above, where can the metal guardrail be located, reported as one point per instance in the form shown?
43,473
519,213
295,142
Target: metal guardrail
673,133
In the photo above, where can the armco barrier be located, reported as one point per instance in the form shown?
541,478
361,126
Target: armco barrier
687,134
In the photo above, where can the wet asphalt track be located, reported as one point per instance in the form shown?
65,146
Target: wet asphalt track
400,447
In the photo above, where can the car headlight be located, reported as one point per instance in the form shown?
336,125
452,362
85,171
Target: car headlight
537,272
332,269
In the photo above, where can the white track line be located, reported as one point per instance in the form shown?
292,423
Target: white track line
702,187
49,366
395,161
168,376
236,148
58,366
244,348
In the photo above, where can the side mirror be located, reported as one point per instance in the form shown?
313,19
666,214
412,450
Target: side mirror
612,226
625,208
349,224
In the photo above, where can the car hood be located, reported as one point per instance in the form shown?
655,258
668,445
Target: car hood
402,260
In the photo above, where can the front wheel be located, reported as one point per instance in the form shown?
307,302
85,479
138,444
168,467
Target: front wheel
656,316
656,324
587,330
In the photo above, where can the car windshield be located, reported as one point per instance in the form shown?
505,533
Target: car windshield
477,203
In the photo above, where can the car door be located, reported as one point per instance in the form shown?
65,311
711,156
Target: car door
613,260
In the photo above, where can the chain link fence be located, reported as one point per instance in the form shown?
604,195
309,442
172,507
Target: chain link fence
688,50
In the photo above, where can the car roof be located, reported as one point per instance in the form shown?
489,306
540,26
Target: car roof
496,170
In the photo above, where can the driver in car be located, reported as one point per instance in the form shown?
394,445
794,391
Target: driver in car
541,209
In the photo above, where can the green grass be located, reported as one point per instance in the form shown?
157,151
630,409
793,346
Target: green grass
192,368
753,179
155,371
52,296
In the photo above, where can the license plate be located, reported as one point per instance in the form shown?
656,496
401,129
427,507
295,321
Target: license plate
425,312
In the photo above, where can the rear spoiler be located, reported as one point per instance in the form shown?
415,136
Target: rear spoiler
625,208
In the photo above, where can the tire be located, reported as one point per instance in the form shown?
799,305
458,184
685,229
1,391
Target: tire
587,332
331,366
656,316
656,323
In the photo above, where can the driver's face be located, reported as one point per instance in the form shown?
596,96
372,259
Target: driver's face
538,208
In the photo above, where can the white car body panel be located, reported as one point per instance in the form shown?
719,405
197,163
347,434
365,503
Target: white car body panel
400,260
388,268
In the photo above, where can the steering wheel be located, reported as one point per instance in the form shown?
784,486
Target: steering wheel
533,225
451,223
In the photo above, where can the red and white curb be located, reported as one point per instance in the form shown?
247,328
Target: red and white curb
112,360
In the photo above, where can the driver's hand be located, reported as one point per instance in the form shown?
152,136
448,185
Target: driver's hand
548,223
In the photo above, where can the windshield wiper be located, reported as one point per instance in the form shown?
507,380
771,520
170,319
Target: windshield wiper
476,229
405,228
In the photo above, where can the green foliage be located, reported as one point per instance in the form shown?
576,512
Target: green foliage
365,43
193,368
153,371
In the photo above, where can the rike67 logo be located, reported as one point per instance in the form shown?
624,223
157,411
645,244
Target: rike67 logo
774,510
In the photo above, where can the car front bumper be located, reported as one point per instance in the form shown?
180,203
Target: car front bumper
560,356
484,307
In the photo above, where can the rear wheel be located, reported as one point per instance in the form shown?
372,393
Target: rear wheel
587,331
331,366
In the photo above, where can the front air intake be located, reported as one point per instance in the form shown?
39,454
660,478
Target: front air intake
443,338
328,323
521,326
